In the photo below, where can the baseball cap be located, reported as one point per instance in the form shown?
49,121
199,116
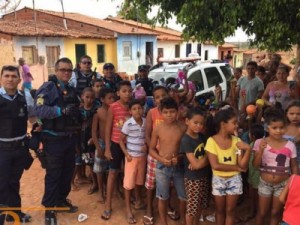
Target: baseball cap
108,66
143,68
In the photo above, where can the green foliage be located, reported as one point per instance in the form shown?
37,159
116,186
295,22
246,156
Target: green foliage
130,11
275,24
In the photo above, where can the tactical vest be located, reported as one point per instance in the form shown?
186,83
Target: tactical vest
13,117
83,81
67,96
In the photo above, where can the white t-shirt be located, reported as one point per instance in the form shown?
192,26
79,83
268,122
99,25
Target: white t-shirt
135,137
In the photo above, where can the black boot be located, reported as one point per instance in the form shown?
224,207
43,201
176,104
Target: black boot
66,206
50,218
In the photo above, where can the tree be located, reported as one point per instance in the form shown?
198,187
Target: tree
130,11
275,24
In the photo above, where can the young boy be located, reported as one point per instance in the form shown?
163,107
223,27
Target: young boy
97,85
168,134
106,96
117,115
153,119
133,133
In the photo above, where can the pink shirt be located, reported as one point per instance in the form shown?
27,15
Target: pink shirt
120,115
276,161
291,214
25,71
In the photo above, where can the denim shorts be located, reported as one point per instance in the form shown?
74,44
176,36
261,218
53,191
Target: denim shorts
227,186
266,189
100,165
163,176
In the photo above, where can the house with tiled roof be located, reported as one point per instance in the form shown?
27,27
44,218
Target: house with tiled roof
171,43
41,43
129,43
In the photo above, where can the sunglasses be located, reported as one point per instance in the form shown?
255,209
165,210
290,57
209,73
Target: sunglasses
65,70
86,62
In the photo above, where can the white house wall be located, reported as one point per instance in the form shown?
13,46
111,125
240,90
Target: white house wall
39,71
169,48
212,50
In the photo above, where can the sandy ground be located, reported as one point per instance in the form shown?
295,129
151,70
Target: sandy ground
32,187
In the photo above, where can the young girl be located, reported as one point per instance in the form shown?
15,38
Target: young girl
196,166
228,156
293,128
276,158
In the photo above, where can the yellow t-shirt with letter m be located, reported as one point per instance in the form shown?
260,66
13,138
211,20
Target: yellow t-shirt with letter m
225,156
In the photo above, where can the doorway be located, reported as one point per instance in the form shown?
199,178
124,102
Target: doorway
80,50
149,53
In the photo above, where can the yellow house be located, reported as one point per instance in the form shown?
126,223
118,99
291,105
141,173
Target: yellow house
100,50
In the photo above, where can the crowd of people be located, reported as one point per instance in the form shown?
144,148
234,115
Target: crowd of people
155,139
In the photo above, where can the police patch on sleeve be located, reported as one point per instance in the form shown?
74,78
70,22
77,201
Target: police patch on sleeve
40,100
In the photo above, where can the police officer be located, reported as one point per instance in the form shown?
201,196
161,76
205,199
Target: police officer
144,80
57,105
13,147
83,76
111,78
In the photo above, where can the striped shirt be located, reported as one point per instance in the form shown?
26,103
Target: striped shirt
120,115
135,137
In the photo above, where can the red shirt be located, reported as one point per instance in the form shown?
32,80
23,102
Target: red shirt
291,214
120,115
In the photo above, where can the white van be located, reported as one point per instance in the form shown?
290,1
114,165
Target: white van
205,75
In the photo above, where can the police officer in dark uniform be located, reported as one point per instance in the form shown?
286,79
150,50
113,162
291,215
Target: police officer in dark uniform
13,147
57,105
143,79
111,78
82,77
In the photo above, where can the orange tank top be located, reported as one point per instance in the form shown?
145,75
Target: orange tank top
156,117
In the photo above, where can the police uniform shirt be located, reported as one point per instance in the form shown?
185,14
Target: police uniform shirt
21,113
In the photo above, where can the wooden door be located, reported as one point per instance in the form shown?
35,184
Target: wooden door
52,53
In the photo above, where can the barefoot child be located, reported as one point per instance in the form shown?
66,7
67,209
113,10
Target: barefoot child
87,147
276,159
106,96
135,150
154,118
117,115
196,166
168,134
228,156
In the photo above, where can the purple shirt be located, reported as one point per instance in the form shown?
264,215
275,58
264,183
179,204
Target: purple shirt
25,76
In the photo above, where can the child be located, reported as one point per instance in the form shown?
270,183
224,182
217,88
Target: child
168,166
228,156
196,166
87,147
292,132
276,158
117,115
97,84
256,131
133,133
106,96
154,118
290,196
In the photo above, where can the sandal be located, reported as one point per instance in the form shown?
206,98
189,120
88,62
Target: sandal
131,220
106,214
147,220
173,215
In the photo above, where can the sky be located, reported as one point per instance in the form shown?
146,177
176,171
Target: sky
102,9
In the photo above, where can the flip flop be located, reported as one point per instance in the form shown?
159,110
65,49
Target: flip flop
106,214
147,220
131,220
173,215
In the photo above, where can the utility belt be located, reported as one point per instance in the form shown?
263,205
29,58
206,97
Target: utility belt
14,144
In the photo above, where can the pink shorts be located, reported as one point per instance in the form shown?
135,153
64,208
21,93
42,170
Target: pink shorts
134,172
150,177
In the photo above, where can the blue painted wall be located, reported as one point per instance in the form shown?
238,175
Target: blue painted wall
138,44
